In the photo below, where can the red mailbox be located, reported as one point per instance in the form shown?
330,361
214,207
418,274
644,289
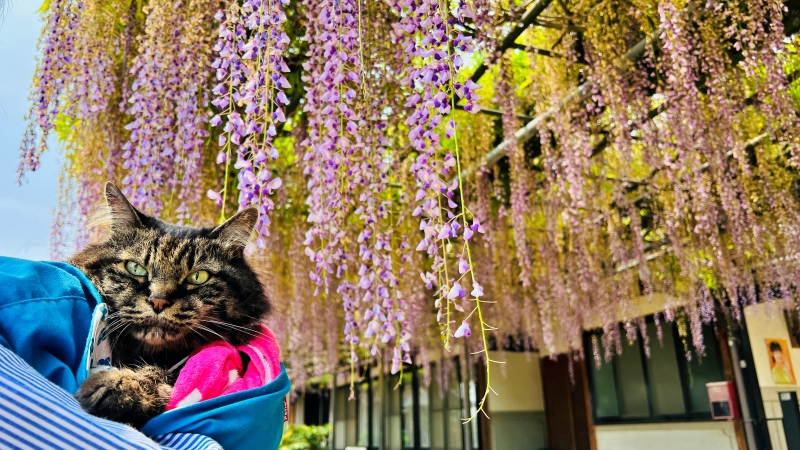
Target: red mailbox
722,396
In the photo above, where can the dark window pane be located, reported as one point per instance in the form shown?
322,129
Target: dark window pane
702,370
604,390
437,402
663,373
454,430
393,419
363,415
630,379
424,413
473,426
351,432
454,435
408,411
377,412
351,405
453,390
437,430
394,433
394,395
341,402
339,435
340,418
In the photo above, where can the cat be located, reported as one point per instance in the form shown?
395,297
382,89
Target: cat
169,289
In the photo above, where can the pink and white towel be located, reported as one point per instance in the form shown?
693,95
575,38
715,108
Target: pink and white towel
216,369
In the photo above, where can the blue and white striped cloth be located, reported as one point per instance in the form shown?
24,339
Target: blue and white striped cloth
37,414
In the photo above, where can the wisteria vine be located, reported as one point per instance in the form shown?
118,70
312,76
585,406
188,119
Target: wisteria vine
666,184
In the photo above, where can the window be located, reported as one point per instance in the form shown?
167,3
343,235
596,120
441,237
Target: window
666,386
394,418
377,413
363,398
407,408
345,419
387,414
473,407
354,420
424,412
445,411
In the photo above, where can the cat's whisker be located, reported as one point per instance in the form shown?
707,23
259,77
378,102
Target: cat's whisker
248,331
198,333
235,327
242,329
116,326
113,344
211,331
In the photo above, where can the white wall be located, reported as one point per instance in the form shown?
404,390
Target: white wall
517,412
764,321
719,435
518,384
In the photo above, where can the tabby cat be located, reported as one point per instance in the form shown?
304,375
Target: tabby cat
169,290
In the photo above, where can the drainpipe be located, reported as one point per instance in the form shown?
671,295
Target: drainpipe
749,431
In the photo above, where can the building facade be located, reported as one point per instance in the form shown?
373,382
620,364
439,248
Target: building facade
650,396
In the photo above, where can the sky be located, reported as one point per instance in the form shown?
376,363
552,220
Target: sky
24,210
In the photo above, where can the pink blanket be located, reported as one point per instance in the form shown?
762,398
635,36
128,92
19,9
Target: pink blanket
217,369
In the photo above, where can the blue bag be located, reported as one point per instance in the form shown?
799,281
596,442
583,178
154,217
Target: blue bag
46,318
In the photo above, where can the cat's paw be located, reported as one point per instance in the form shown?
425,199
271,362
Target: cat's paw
126,396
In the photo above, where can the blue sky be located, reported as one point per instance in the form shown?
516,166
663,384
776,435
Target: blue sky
24,210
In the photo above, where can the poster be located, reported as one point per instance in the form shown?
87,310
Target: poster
780,362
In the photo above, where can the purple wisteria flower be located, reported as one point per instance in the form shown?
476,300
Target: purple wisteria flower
434,91
250,95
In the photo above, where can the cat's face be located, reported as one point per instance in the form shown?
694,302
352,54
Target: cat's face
173,288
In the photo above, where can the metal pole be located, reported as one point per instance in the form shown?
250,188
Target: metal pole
749,431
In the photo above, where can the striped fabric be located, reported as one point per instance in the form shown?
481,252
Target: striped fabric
37,414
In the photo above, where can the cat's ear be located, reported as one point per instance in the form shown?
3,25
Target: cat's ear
236,231
122,214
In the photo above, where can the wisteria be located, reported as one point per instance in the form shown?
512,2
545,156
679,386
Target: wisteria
519,173
333,161
52,74
162,156
250,70
423,184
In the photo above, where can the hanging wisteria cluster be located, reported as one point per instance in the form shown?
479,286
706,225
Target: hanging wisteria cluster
643,159
250,97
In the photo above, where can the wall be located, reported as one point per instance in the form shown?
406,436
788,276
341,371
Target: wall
764,321
638,307
517,411
518,384
719,435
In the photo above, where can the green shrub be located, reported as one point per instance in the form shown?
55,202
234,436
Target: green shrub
305,437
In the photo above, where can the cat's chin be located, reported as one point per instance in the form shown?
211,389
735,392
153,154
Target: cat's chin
158,336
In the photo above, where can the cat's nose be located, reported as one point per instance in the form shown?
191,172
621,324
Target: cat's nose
159,303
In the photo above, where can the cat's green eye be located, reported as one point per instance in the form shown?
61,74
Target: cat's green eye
135,269
199,277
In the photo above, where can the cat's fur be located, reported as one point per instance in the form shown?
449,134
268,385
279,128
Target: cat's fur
146,342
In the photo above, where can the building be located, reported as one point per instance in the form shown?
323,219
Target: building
632,402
